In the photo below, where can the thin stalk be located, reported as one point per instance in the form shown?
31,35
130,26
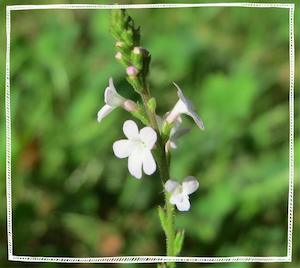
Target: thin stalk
163,166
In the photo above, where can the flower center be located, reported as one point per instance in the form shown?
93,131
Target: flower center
138,143
179,189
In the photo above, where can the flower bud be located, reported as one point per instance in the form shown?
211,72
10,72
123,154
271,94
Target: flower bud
137,50
131,71
130,106
127,36
118,56
137,58
119,44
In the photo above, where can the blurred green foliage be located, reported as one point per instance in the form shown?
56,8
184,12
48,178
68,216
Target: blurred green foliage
72,197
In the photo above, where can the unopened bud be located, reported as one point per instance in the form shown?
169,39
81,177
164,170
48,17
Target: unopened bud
119,44
127,36
118,56
152,104
130,106
131,71
137,50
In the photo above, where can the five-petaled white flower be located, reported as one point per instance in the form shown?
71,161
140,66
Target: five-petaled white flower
180,192
137,147
184,106
113,100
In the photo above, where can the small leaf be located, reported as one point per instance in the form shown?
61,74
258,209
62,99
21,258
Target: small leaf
152,105
134,81
163,218
166,129
178,242
141,115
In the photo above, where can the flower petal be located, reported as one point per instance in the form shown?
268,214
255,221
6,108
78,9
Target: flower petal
104,111
111,96
196,119
177,197
135,163
171,185
184,205
131,130
190,185
189,108
148,136
123,148
149,165
111,84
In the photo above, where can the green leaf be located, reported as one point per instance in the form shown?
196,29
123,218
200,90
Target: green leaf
141,115
166,129
178,242
152,105
163,218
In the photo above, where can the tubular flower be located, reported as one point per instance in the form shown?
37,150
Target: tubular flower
184,106
113,100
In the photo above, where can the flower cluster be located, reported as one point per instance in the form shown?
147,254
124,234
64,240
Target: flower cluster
139,143
149,147
134,58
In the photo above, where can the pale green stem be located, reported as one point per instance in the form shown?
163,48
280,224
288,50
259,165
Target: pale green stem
163,166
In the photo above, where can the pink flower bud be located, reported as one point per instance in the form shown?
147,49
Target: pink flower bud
118,56
130,106
131,71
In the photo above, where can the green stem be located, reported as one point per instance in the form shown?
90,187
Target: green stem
170,226
163,165
128,37
151,116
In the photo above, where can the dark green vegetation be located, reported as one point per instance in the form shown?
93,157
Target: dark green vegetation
72,197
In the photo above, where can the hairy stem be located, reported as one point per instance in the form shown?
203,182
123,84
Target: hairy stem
136,60
163,165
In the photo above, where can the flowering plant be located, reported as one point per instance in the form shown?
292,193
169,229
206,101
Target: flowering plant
149,148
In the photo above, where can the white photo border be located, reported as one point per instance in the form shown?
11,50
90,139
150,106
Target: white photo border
151,259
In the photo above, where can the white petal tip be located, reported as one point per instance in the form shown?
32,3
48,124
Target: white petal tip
99,117
171,185
200,125
183,210
136,176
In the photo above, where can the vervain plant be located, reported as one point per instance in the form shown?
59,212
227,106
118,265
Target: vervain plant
149,148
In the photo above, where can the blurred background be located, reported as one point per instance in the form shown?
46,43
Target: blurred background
73,197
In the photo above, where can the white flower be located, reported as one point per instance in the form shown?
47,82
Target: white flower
180,192
113,100
137,147
184,106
